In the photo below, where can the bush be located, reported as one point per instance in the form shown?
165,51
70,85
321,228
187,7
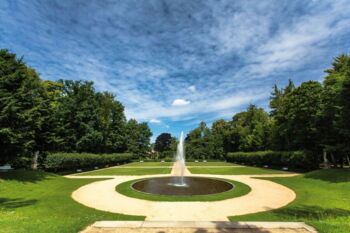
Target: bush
293,159
71,161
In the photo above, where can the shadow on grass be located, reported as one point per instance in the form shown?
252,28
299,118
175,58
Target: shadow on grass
8,203
333,175
26,175
312,212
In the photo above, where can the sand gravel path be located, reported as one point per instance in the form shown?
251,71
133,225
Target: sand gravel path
265,195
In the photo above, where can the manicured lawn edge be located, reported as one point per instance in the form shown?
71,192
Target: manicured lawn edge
239,190
322,201
36,201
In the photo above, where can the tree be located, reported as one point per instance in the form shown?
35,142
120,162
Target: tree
138,138
22,108
163,142
219,132
77,117
280,136
198,143
345,116
303,115
249,130
334,109
112,123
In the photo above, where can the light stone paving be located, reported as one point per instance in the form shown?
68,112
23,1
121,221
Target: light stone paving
189,217
264,196
198,227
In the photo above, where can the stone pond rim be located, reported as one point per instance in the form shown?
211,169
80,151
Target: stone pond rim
194,186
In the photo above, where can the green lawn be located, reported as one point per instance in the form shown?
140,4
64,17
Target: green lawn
323,201
120,171
41,202
233,170
239,190
170,164
148,164
203,164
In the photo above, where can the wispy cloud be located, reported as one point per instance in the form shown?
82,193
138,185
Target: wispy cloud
180,102
192,88
155,121
177,62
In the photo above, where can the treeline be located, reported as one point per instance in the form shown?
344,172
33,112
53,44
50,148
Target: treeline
313,117
65,116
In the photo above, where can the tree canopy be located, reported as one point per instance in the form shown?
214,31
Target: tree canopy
67,116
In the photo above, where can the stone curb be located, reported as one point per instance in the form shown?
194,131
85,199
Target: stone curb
203,224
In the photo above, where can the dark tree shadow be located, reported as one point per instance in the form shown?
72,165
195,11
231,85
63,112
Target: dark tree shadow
333,175
8,203
26,175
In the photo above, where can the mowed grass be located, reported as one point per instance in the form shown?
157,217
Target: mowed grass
123,171
231,170
323,201
33,201
148,164
170,164
204,164
239,189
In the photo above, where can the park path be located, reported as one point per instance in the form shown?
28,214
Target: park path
176,170
264,196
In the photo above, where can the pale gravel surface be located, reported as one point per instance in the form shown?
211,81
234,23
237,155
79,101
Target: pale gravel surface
264,196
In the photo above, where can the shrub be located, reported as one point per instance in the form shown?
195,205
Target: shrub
71,161
293,159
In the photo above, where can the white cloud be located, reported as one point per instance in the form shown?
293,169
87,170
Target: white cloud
219,105
155,121
192,88
181,102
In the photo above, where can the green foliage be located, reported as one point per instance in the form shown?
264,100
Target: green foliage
249,130
138,138
200,143
291,159
23,108
334,117
71,161
163,142
303,109
70,116
89,121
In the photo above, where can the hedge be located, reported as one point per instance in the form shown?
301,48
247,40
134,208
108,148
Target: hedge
71,161
293,159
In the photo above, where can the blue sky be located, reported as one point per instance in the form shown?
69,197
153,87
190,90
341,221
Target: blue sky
175,63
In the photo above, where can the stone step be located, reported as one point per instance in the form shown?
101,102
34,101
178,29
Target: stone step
198,227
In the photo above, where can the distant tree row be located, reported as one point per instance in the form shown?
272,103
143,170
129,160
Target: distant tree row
67,116
314,117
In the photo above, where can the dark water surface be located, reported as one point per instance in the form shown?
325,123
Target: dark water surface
194,186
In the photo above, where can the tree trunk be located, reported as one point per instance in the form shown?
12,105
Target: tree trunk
333,160
347,158
35,160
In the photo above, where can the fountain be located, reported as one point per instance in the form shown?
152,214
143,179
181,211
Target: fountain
178,184
179,164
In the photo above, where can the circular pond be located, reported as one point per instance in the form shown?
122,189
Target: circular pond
192,186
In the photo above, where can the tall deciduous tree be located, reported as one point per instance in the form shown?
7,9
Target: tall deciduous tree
22,108
249,130
138,137
163,142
